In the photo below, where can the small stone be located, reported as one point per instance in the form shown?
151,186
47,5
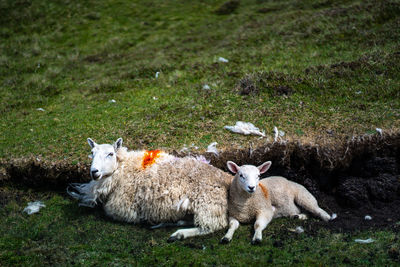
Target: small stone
223,60
299,229
206,87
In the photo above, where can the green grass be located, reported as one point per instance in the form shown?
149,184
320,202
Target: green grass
64,234
340,59
71,58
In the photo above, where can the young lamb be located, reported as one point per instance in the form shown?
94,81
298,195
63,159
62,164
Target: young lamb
155,187
263,200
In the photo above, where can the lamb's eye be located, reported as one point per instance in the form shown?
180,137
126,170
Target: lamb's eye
110,154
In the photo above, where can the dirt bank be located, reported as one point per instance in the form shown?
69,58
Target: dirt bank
356,178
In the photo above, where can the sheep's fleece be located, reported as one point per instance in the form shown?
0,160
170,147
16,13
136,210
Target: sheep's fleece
164,191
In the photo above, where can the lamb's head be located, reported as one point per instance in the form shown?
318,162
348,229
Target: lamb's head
247,176
104,159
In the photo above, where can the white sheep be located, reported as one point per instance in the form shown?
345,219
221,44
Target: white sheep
273,197
155,187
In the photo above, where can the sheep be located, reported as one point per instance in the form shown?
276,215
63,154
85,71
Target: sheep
155,187
264,200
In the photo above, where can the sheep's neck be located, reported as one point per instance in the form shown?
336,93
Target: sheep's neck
241,203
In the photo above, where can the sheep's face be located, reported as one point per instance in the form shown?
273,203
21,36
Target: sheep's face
248,175
104,159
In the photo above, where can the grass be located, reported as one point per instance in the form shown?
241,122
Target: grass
72,58
63,234
338,61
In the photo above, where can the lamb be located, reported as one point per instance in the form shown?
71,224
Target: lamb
264,200
155,187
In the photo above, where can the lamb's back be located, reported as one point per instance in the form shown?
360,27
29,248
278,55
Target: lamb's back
281,190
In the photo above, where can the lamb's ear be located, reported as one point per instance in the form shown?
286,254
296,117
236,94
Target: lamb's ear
118,144
91,143
232,166
264,167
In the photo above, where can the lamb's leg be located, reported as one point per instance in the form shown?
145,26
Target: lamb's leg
306,200
233,225
263,219
290,209
189,232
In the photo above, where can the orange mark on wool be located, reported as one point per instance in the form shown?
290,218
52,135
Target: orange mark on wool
150,157
264,190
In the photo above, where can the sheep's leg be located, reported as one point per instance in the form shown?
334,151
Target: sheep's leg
233,225
175,224
262,221
189,232
301,216
306,200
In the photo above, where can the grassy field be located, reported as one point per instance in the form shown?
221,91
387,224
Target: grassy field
63,234
340,61
321,71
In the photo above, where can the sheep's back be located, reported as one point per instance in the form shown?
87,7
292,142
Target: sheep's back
154,194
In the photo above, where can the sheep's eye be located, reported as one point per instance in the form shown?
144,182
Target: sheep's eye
110,154
241,176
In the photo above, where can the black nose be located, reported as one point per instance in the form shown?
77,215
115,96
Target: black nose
251,188
94,172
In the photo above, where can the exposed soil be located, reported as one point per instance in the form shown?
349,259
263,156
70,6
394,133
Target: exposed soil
264,10
275,83
227,8
357,178
246,86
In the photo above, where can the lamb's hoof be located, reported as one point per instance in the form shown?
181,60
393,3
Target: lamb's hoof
224,240
172,239
256,241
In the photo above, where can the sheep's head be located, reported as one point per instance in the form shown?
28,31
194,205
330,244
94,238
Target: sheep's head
248,175
104,158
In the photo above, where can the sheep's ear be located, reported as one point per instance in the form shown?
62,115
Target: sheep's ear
264,167
91,143
118,144
232,166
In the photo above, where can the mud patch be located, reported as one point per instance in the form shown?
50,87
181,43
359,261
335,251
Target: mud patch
227,8
246,86
37,173
356,178
274,83
265,10
377,63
